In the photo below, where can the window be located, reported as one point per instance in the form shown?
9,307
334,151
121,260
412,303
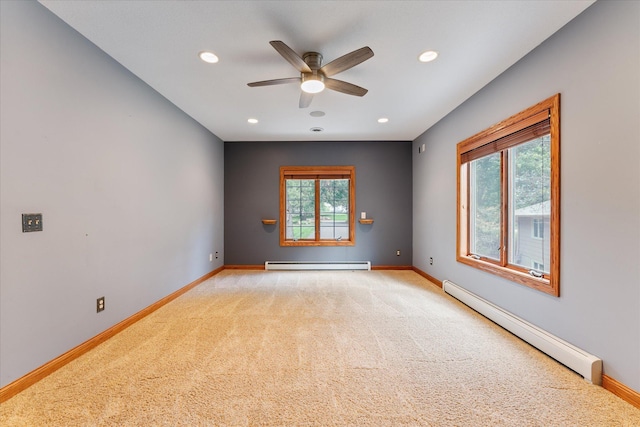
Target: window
317,205
538,228
508,218
537,266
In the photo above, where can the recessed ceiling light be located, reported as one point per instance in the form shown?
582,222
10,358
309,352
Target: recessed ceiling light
316,113
428,56
383,120
253,121
209,57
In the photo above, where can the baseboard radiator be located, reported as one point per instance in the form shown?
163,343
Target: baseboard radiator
317,265
585,364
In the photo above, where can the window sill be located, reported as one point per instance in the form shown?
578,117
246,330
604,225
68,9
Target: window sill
541,284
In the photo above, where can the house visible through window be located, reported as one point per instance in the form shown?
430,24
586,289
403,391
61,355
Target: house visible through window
537,266
317,205
508,198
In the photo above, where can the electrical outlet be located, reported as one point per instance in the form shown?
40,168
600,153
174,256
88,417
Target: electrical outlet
398,252
431,261
100,305
216,255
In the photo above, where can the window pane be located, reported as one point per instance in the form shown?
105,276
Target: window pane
484,221
301,209
334,209
530,204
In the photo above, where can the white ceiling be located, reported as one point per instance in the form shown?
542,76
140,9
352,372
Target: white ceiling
159,41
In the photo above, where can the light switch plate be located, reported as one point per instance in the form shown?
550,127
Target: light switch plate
31,222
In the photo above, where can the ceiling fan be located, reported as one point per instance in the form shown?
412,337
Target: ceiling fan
314,77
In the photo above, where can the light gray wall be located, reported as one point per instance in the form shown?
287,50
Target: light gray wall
594,63
383,190
131,190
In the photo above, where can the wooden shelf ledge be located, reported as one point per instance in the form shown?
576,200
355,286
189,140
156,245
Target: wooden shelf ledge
365,221
269,221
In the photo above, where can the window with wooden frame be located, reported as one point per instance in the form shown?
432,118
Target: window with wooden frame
508,216
317,205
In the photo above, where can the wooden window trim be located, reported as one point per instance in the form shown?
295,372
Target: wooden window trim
550,107
318,172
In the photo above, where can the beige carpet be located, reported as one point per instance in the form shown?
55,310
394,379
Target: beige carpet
256,348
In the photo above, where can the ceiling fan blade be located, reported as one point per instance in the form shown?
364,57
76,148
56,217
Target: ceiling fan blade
275,82
347,61
305,99
291,56
344,87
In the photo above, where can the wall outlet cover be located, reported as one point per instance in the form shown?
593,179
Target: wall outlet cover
100,304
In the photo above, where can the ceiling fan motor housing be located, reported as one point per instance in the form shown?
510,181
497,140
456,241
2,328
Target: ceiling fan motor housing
312,82
313,60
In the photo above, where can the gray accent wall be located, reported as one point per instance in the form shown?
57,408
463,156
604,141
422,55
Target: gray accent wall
593,62
383,191
130,188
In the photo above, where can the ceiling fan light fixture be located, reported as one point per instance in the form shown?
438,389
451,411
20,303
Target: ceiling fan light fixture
208,57
428,56
312,83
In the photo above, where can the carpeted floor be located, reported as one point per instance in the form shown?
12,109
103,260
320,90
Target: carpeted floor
256,348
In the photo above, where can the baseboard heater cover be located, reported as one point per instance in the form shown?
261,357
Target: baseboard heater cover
317,265
585,364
